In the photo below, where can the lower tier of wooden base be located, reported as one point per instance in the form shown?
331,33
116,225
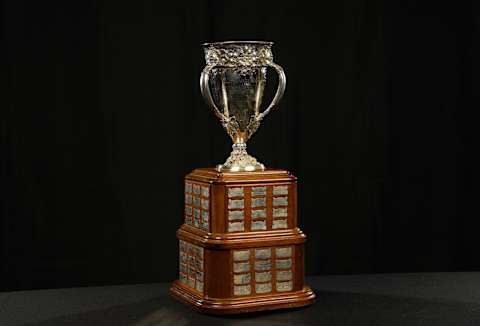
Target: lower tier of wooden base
242,304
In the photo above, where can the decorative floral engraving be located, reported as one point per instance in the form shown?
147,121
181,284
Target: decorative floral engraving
239,55
239,159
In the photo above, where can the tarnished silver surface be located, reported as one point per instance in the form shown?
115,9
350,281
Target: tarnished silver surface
232,84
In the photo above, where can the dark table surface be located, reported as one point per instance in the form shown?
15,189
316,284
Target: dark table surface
381,299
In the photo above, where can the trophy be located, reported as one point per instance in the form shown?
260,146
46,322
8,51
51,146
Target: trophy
232,84
240,248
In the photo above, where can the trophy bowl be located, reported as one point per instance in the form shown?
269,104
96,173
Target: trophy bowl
232,84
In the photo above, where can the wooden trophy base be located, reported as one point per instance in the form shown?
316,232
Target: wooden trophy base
240,247
212,306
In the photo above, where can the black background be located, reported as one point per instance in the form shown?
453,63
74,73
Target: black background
102,117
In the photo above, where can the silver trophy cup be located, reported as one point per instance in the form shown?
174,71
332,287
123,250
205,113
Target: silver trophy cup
232,84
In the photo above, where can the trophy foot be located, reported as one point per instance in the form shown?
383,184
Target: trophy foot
240,161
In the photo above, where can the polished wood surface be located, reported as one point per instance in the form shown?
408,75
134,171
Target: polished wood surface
220,293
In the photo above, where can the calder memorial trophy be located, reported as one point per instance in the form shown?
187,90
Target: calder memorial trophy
240,247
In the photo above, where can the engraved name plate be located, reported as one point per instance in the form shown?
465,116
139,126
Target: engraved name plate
235,192
196,201
284,275
241,267
258,202
235,203
280,201
235,215
263,287
196,213
284,263
196,189
241,278
279,224
263,276
284,286
259,191
241,255
205,192
183,278
280,190
263,265
280,212
259,225
199,286
259,213
205,216
263,253
241,290
235,226
283,252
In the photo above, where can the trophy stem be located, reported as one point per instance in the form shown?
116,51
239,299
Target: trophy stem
240,161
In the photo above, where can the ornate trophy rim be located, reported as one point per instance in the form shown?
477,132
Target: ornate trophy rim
237,43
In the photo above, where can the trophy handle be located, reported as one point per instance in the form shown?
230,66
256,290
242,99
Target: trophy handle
282,83
207,95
